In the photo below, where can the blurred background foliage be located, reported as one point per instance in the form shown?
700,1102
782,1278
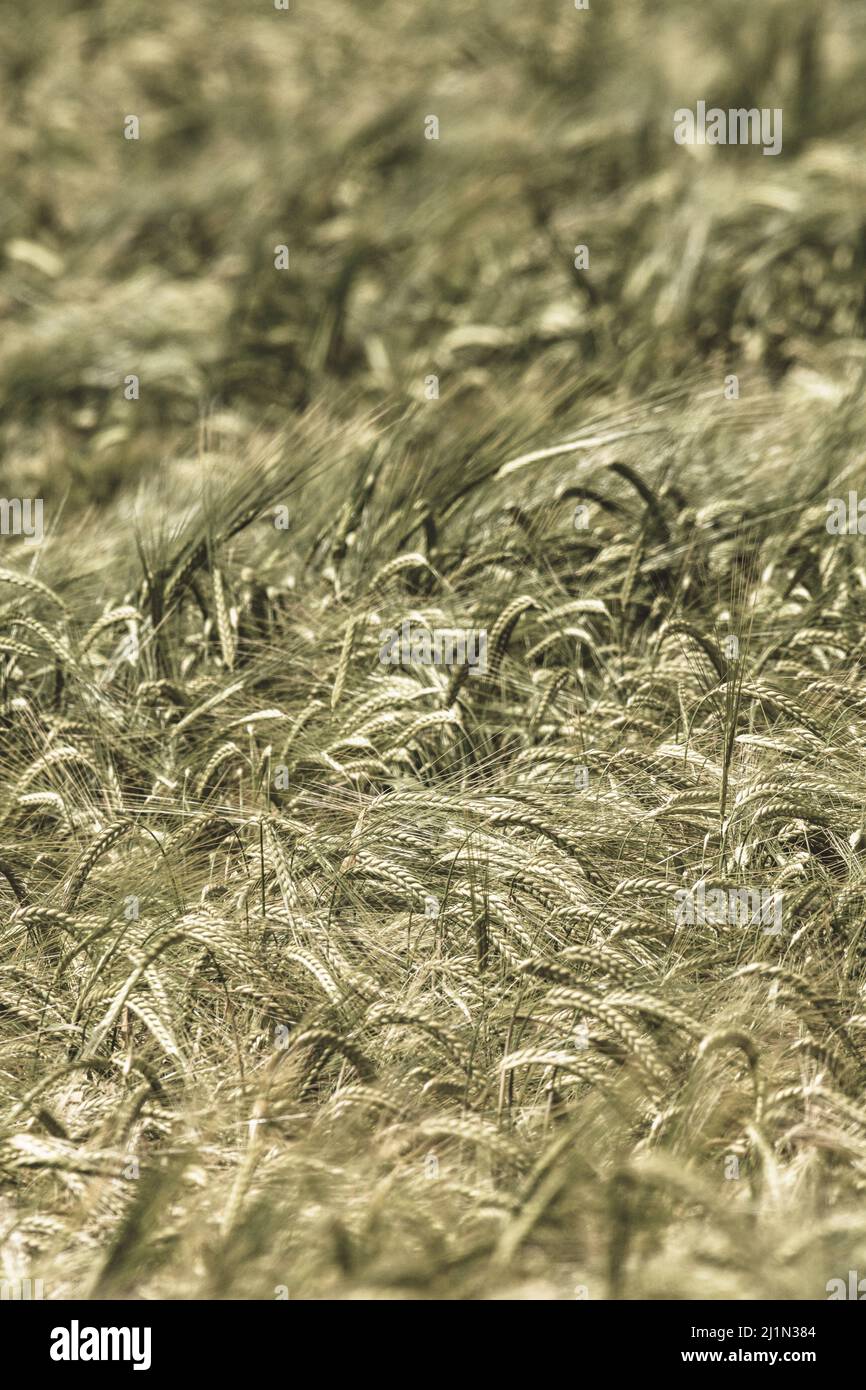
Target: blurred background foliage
408,256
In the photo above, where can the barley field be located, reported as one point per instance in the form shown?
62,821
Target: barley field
433,707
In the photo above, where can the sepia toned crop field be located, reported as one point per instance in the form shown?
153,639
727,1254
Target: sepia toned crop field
432,651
